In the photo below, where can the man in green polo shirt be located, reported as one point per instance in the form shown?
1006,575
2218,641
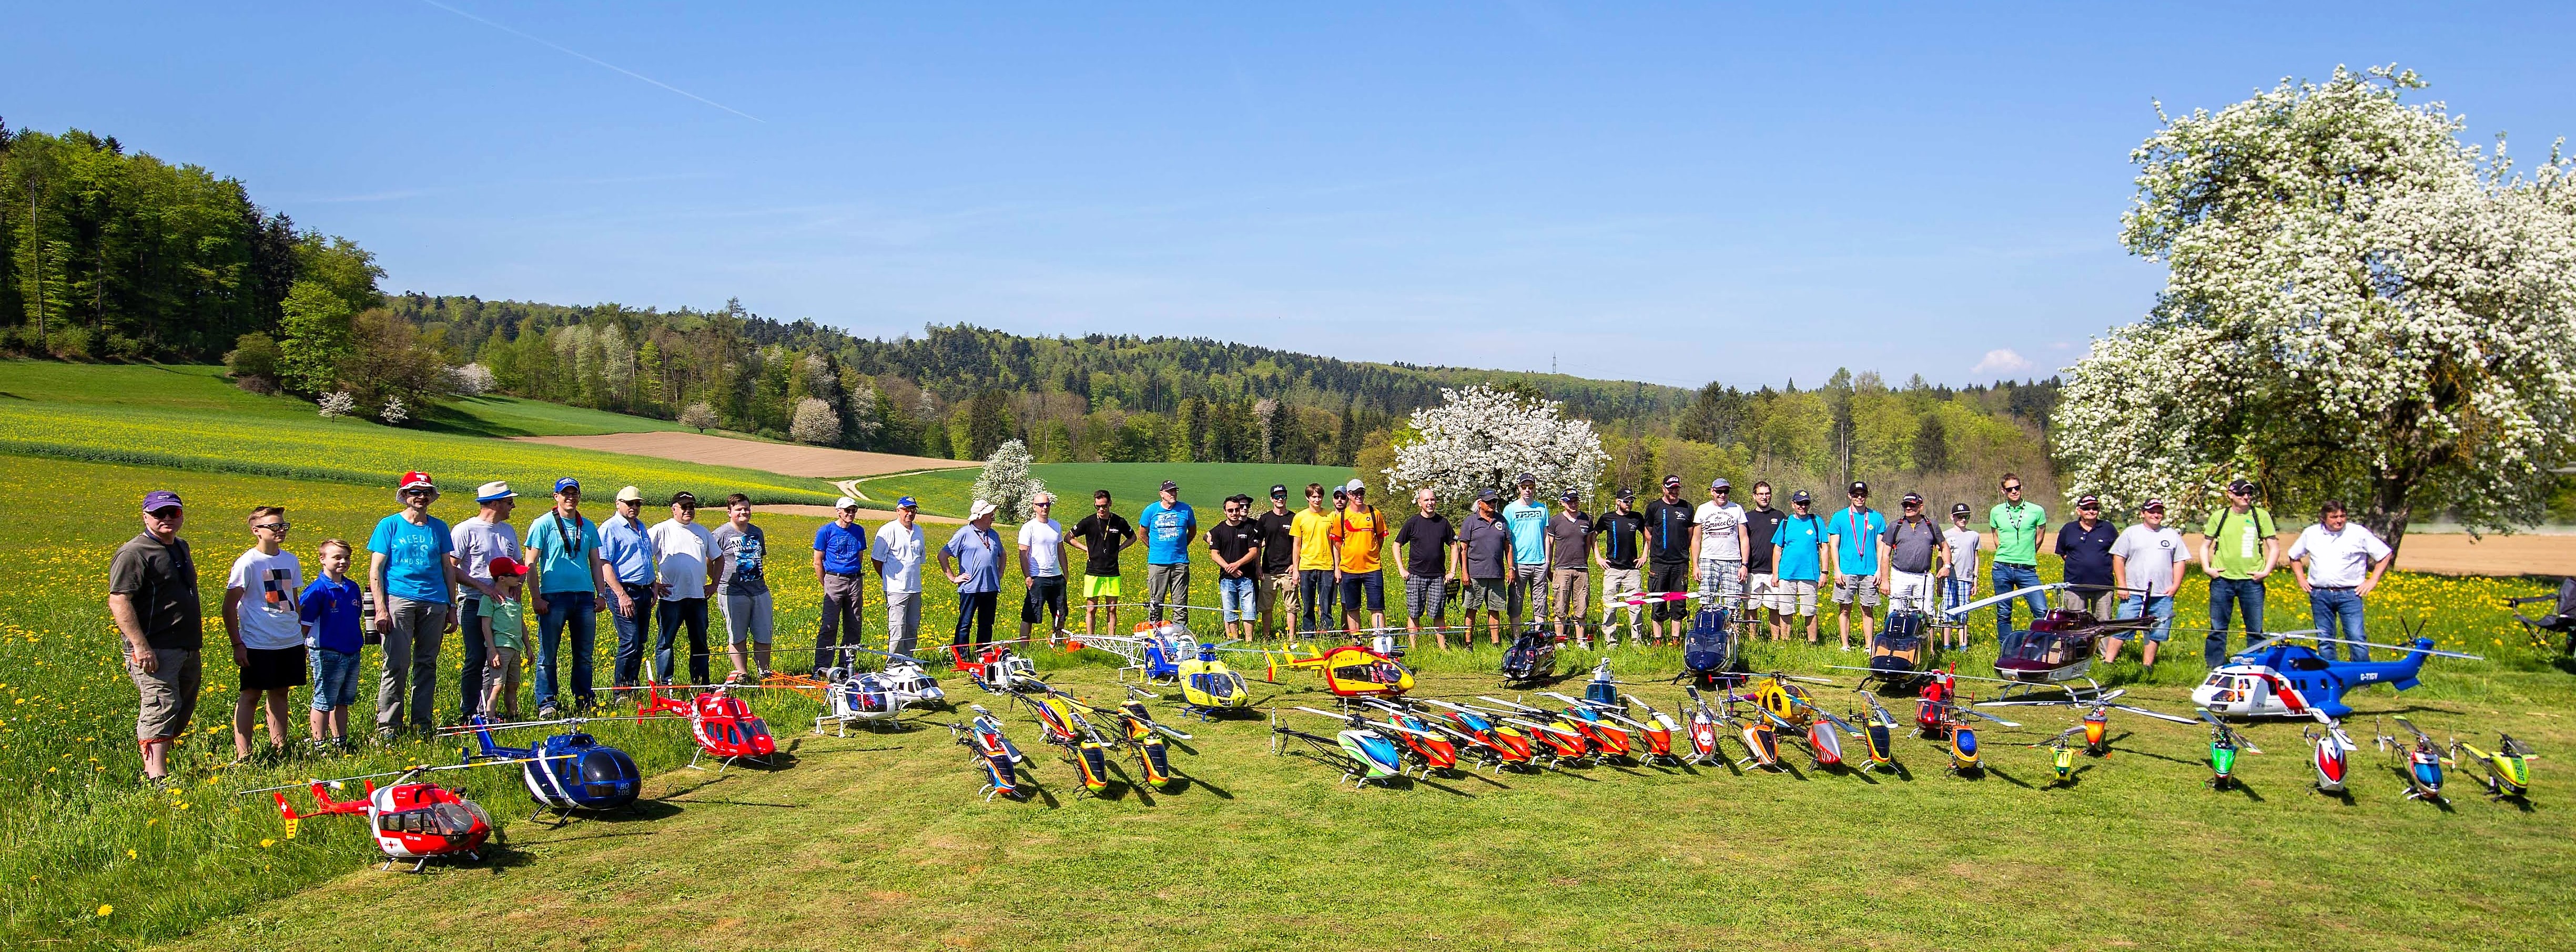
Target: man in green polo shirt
2017,526
2240,547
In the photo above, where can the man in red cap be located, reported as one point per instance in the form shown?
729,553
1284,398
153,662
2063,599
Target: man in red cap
411,562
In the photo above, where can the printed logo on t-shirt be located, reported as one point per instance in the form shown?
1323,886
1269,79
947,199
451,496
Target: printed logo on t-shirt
275,588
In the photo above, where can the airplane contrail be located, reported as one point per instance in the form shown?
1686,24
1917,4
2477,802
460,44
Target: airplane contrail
593,60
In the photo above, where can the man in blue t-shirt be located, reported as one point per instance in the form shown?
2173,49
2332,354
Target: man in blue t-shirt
1526,517
1854,532
1798,551
1167,525
840,555
411,562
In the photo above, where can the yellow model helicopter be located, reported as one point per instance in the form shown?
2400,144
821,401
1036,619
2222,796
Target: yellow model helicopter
1349,670
2508,766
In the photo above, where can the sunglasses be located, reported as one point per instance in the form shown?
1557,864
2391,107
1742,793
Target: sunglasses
273,526
2012,489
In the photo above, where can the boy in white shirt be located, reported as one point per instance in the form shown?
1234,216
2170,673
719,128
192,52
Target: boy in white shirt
1959,547
260,614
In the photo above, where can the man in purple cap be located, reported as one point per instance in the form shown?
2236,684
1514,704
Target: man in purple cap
152,594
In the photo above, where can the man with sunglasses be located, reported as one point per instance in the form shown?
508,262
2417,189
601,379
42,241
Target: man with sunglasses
2017,525
1798,551
2084,546
411,559
260,616
2240,546
1042,561
1278,585
1099,537
565,576
152,595
479,539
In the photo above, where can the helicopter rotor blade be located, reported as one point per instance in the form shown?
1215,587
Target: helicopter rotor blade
2159,715
1963,610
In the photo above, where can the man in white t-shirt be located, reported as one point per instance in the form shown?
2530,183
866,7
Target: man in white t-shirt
897,552
2337,563
260,601
479,540
1042,568
1718,549
2147,562
1959,545
684,550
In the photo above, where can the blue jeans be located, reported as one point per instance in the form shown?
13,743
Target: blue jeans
1238,597
2159,607
335,679
629,668
1315,591
578,609
2008,577
2338,615
2228,596
676,612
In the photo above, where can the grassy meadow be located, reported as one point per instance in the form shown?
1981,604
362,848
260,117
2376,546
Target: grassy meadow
1131,485
189,418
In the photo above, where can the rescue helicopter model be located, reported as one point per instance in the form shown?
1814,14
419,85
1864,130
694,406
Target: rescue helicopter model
724,727
2421,761
1349,671
2330,753
565,771
2508,766
992,751
2287,675
413,819
2224,744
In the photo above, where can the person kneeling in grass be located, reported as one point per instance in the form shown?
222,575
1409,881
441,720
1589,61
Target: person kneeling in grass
329,611
505,630
260,615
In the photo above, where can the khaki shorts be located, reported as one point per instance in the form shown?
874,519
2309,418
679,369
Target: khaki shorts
1795,596
1490,594
1863,588
169,693
1569,592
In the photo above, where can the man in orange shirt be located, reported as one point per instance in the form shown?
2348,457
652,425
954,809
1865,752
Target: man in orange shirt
1357,536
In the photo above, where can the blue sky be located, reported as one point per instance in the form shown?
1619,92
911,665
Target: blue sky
1667,193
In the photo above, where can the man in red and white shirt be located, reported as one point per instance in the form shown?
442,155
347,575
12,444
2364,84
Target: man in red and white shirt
2337,563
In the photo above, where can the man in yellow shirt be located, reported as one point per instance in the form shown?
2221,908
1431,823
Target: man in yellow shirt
1314,561
1358,536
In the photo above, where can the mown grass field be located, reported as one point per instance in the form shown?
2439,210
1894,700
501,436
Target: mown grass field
1131,485
187,418
877,841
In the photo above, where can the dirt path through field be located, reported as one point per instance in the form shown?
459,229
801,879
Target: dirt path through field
782,458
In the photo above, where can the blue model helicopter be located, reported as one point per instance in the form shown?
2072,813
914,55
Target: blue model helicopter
2286,675
563,772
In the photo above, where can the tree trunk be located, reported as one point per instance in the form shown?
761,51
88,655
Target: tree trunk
2386,512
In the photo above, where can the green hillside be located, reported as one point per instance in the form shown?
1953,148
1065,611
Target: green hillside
188,418
1131,485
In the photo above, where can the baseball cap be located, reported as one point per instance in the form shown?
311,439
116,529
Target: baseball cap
907,502
1279,490
567,485
630,494
160,499
1171,487
1801,496
1959,509
2241,487
494,491
1628,494
1672,480
1488,496
1719,483
2153,505
505,565
1567,496
1531,478
1355,486
1916,498
684,497
983,507
415,480
1341,493
1859,488
2088,501
845,502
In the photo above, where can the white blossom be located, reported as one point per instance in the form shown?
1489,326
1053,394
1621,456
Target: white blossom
394,412
1006,483
341,403
2359,306
815,423
1479,438
471,380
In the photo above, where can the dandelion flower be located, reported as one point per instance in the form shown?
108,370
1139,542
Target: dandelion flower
104,909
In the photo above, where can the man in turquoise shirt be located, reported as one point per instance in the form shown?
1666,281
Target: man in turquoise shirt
1526,518
567,573
1854,532
1167,525
1798,551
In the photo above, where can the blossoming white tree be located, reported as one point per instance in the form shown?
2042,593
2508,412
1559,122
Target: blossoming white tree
2359,306
338,403
1480,438
815,423
1006,482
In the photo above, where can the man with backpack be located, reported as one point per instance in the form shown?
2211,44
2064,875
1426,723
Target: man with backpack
1798,551
2240,547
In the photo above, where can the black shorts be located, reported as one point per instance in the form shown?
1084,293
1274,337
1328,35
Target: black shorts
1046,596
1669,577
273,668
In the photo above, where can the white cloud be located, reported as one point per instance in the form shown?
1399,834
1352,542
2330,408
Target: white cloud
2001,361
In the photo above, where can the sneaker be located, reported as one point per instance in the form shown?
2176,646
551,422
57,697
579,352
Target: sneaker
546,712
387,735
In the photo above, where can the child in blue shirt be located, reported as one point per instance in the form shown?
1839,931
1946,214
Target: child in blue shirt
329,609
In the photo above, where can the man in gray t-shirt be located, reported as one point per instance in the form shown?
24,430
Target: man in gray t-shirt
478,541
1485,546
1911,544
743,587
1959,545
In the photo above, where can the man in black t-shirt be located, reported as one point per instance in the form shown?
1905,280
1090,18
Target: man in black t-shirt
1278,586
1235,545
1100,536
1671,524
1430,540
152,596
1760,523
1616,535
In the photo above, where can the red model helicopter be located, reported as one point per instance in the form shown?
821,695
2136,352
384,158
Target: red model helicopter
1348,670
1488,737
724,726
412,819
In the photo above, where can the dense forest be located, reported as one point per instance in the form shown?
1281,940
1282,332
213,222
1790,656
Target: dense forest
111,255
